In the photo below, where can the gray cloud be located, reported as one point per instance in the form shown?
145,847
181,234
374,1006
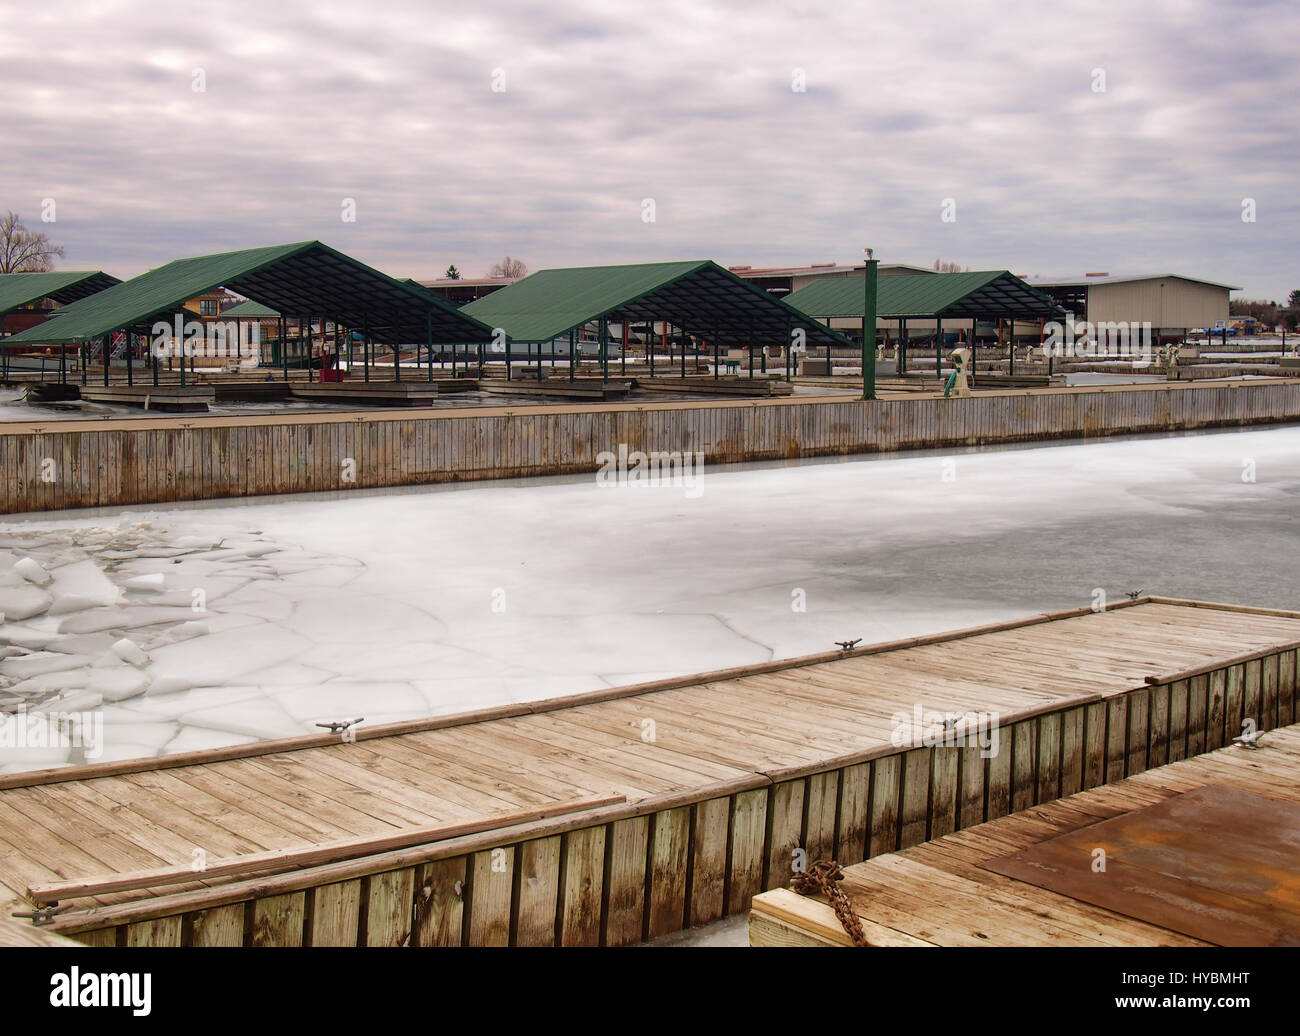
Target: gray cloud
689,103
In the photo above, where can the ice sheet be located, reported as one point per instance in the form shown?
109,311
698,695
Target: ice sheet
271,616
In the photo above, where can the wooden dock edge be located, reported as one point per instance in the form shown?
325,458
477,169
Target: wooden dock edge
783,918
632,872
131,462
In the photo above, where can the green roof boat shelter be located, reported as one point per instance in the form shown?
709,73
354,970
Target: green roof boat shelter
697,298
982,295
249,310
22,290
307,279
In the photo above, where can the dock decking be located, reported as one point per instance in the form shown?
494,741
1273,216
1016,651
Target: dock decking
697,790
943,893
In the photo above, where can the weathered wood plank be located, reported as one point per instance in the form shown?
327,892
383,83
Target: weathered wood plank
670,832
440,902
582,886
537,874
1252,696
336,914
1286,688
1094,744
971,767
1024,764
1050,736
104,937
1233,702
886,776
220,926
853,826
1073,750
748,844
822,793
1198,692
491,884
625,881
165,931
1139,726
1116,738
390,901
1179,703
1158,725
709,833
943,791
278,920
784,832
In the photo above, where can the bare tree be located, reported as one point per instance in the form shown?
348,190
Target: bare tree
947,267
508,267
23,250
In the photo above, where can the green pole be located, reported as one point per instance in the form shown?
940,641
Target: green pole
938,348
870,289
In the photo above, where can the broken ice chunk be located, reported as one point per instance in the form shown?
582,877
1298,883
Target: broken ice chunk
33,572
130,652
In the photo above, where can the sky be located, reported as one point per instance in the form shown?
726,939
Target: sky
1046,138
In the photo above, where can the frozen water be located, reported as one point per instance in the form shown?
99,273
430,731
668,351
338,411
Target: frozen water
262,618
22,601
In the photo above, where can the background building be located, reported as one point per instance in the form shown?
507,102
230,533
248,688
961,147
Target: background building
782,280
1171,303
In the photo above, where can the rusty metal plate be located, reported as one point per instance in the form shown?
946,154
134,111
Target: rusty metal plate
1218,864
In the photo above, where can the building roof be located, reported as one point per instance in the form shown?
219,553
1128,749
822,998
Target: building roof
306,277
465,282
63,286
986,293
1079,282
698,296
250,310
816,270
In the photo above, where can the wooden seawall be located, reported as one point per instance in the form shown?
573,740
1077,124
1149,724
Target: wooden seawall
611,817
950,892
62,464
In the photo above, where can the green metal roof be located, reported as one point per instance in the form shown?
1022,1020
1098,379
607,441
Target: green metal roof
698,296
63,286
986,293
306,278
250,310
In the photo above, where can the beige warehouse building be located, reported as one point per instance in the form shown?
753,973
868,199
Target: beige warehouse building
1171,303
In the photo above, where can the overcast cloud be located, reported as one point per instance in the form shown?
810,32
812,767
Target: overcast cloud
689,103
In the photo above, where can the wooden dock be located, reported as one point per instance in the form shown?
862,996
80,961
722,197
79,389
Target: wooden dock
619,815
732,385
1235,891
557,388
168,398
379,393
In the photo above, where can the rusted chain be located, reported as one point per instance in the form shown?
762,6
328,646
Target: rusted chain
821,878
